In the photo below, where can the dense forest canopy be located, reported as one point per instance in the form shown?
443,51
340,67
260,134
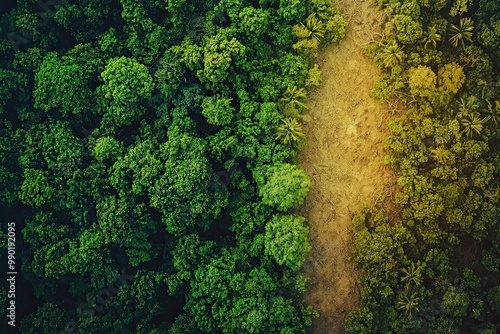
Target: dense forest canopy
148,159
436,269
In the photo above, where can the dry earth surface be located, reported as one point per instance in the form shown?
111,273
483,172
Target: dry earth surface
343,156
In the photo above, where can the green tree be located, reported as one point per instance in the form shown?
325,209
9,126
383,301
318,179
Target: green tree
293,70
444,325
472,123
86,254
451,76
455,302
412,275
493,298
35,189
335,28
127,225
422,81
103,141
391,54
170,74
107,148
489,36
407,30
282,185
185,192
290,131
292,10
361,321
493,112
380,252
10,177
431,37
217,110
460,7
84,21
49,318
286,240
293,100
253,22
408,303
450,79
125,82
59,83
310,32
313,77
61,150
461,33
467,106
189,253
219,51
12,84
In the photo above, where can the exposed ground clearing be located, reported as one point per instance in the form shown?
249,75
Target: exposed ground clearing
345,130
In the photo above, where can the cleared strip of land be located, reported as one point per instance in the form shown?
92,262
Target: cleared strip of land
345,130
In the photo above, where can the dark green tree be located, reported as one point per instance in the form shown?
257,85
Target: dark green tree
58,83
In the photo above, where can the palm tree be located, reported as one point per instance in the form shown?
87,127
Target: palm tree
494,112
431,37
408,304
293,100
316,27
312,28
289,131
461,33
391,54
472,123
412,274
467,106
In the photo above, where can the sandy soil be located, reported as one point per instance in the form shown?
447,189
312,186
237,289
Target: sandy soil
345,130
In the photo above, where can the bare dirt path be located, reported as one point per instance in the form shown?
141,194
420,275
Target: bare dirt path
343,156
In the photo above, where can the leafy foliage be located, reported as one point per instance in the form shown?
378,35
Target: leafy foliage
286,240
62,84
217,110
282,185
